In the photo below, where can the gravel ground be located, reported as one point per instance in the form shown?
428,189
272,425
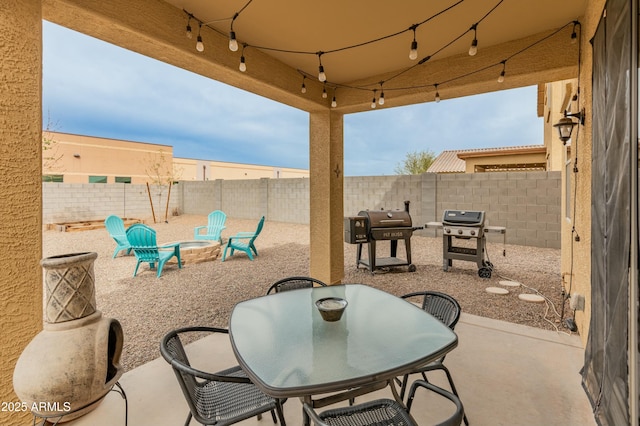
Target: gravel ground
204,293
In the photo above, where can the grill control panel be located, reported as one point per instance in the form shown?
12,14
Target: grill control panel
461,231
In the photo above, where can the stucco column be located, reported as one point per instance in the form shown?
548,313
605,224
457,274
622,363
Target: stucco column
21,189
326,196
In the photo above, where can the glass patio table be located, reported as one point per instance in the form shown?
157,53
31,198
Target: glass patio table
288,350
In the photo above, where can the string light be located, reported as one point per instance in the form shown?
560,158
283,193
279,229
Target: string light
413,53
324,91
189,35
501,78
233,43
243,64
321,75
334,103
574,35
474,44
199,44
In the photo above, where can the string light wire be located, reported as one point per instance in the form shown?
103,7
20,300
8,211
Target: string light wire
412,28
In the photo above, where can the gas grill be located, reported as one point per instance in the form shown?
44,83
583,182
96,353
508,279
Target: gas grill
465,225
371,226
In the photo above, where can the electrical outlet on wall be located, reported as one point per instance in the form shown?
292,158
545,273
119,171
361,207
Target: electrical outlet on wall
576,302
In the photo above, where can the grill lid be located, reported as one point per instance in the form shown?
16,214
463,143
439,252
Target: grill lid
387,218
463,218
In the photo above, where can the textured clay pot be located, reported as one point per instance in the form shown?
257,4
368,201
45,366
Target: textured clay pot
68,368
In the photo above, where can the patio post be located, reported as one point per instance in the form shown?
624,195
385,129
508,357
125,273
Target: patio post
326,165
21,192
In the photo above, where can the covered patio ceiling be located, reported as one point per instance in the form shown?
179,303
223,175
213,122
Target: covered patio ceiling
361,44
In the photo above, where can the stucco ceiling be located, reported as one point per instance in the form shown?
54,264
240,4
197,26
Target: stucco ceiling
334,24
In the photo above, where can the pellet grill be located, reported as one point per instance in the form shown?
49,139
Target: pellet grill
465,225
372,226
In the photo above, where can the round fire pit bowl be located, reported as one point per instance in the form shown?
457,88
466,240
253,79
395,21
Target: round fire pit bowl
197,251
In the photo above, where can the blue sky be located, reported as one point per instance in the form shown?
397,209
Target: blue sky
94,88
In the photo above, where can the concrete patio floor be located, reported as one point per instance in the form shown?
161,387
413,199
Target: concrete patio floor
506,374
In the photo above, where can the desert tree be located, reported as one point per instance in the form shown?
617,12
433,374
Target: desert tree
415,162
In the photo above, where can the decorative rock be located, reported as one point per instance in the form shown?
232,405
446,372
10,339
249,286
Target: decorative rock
532,298
497,290
510,283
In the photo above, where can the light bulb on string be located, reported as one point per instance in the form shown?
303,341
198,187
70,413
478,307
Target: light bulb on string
437,99
574,35
381,98
474,44
501,78
233,43
373,101
413,52
324,92
321,75
199,44
189,35
334,103
303,88
243,64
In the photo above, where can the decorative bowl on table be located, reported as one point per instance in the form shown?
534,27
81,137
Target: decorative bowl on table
331,308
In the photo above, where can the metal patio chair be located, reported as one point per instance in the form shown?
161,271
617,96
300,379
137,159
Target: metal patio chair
384,412
215,225
446,309
292,283
223,398
243,241
117,231
143,242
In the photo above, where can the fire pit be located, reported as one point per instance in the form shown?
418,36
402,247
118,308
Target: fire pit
197,251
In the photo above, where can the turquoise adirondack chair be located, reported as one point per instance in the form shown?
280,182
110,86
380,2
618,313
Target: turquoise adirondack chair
143,242
243,241
216,221
115,227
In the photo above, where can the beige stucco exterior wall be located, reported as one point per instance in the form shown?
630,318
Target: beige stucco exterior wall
77,157
581,250
21,194
192,169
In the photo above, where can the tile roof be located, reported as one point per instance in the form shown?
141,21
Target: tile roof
450,162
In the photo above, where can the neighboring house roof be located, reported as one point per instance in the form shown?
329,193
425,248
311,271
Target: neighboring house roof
454,161
447,162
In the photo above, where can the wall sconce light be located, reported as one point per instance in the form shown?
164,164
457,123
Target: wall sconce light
76,155
566,124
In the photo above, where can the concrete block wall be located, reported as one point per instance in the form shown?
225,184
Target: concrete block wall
199,197
67,202
526,203
288,200
383,193
244,199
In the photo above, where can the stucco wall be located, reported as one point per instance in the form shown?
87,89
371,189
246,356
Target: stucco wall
20,192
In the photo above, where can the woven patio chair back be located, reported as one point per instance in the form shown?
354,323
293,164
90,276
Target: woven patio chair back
293,283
